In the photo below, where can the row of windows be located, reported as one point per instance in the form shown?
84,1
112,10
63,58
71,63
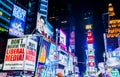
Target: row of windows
5,16
4,24
43,12
45,3
7,3
43,7
6,9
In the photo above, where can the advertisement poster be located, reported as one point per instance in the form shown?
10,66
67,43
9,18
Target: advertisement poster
70,63
17,23
62,38
72,41
43,25
30,60
43,51
14,57
63,59
53,55
20,54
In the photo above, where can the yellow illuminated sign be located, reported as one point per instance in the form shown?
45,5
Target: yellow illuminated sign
88,27
113,28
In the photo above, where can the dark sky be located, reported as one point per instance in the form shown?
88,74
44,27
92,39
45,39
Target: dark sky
78,8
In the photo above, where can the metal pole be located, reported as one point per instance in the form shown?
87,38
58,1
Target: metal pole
57,31
105,40
105,44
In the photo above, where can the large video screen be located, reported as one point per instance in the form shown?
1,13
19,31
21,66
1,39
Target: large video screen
53,55
63,59
42,25
17,23
43,51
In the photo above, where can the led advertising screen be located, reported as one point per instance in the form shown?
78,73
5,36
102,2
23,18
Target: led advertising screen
63,59
43,51
14,57
53,55
17,23
70,63
72,41
20,54
43,25
62,38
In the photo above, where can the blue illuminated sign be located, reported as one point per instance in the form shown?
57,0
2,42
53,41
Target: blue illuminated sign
19,13
17,21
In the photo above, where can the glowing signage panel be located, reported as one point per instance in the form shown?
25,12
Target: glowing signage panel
43,25
43,51
20,52
30,58
17,21
62,38
52,53
63,59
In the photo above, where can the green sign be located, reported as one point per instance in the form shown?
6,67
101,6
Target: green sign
114,73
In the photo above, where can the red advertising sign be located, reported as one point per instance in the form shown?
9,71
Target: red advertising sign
30,55
89,33
91,63
90,57
90,39
72,41
14,54
20,54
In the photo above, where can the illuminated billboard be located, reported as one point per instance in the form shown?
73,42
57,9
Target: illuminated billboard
17,23
42,25
30,56
72,41
90,38
63,59
20,54
70,63
43,51
53,55
62,38
14,57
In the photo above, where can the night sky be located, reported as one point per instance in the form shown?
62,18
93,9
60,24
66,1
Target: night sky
78,9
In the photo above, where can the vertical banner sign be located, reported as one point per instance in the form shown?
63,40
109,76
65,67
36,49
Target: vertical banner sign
30,59
43,51
17,23
14,57
53,55
72,41
20,54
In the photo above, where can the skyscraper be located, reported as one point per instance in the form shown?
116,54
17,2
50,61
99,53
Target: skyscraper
113,29
5,16
32,6
43,8
5,13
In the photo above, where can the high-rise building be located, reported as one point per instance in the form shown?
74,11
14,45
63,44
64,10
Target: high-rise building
32,7
5,13
43,8
113,29
60,16
5,17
